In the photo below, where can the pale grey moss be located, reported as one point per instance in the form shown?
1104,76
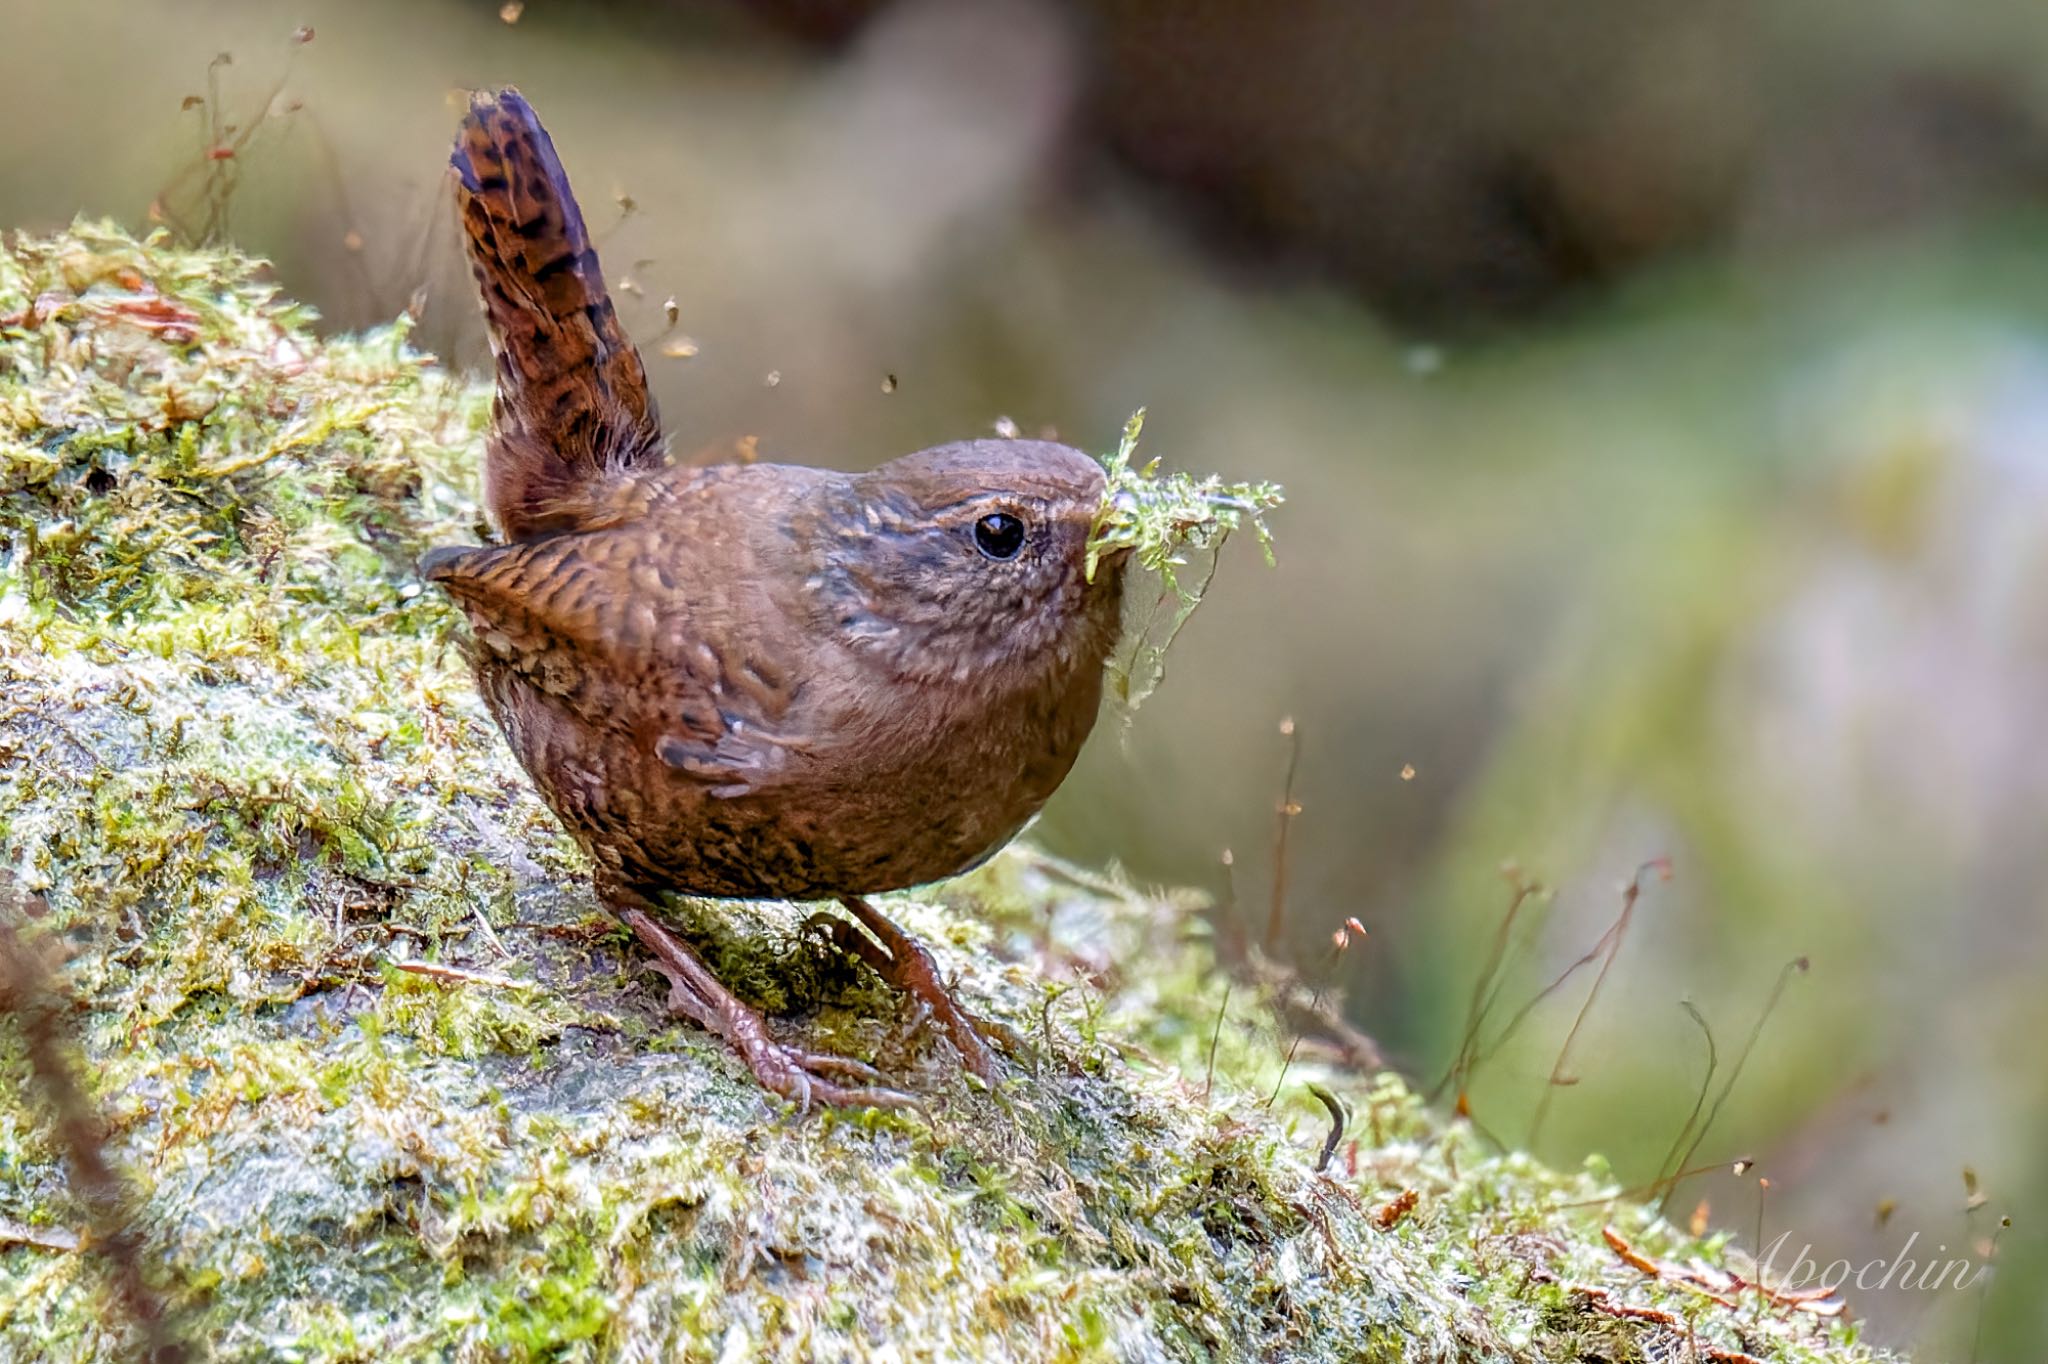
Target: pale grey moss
241,762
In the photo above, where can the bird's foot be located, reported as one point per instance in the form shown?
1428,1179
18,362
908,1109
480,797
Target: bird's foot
903,962
801,1076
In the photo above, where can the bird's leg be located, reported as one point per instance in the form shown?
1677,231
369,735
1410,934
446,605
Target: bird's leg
793,1073
902,961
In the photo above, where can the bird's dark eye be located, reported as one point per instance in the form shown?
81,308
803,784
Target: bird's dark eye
999,535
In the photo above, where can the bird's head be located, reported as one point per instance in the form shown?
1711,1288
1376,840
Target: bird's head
971,560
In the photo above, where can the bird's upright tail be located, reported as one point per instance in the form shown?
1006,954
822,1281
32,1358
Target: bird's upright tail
572,411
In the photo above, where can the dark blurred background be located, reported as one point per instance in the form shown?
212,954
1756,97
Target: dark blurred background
1663,392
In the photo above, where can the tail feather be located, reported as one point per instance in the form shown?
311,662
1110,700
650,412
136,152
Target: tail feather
572,411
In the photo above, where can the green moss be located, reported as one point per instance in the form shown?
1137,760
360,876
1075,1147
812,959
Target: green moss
393,1086
1161,520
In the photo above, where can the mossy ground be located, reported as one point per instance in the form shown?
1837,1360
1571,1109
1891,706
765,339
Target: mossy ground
242,765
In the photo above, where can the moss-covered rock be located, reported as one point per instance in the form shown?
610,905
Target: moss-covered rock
391,1086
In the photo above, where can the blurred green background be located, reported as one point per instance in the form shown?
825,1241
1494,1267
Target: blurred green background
1663,392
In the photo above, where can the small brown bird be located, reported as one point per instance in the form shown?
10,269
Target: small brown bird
756,681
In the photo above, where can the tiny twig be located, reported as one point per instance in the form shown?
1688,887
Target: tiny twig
1797,966
1287,1063
1674,1160
436,971
1276,913
1763,1290
1232,947
1610,943
1485,992
1368,1052
1337,1124
490,934
1209,1076
1984,1293
1643,1192
29,996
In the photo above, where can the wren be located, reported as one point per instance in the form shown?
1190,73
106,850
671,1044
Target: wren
756,681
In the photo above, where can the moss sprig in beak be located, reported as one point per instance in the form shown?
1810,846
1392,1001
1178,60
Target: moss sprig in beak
1164,522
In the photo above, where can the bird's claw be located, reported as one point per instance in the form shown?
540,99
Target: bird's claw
905,963
796,1074
800,1077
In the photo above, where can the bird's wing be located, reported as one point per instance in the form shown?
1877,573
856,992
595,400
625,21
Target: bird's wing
599,620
